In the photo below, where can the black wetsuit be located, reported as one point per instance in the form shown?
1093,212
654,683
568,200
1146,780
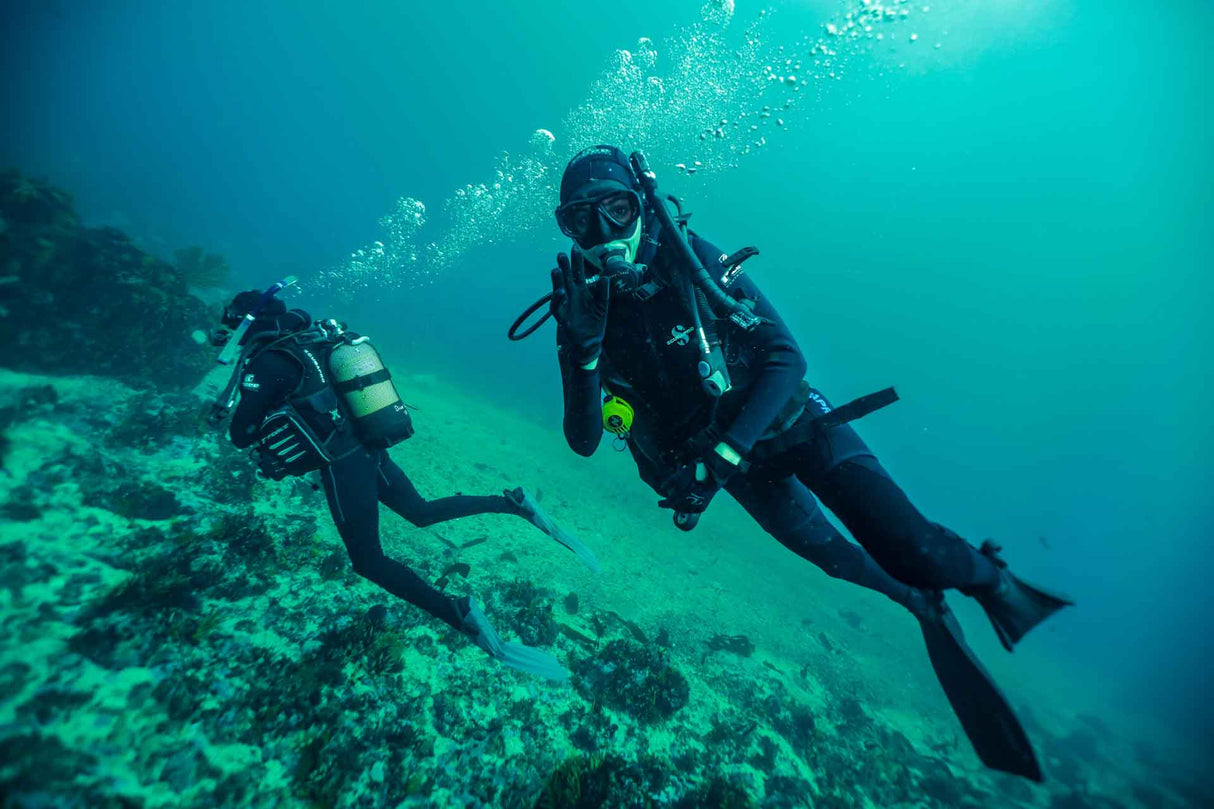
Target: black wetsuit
649,359
356,484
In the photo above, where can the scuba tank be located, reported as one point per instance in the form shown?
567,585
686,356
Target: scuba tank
365,391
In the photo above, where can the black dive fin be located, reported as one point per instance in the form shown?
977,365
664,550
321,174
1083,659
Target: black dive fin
1017,606
989,721
1014,606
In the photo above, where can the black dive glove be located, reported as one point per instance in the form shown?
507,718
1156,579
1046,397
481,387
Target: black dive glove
581,309
691,488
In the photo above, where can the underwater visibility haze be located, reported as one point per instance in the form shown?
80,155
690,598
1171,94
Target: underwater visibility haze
1001,209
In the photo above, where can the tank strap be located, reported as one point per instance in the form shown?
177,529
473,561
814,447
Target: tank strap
362,382
322,401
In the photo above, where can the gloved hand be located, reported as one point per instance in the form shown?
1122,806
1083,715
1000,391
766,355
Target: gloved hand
514,655
691,488
581,309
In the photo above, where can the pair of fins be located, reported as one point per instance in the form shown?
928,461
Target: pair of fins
1014,607
518,656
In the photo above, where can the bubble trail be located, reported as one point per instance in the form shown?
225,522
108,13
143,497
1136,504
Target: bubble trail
699,104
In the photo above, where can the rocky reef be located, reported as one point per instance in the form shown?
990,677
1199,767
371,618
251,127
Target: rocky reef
80,300
176,632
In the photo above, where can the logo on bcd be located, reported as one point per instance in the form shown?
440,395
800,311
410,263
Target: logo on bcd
821,402
680,335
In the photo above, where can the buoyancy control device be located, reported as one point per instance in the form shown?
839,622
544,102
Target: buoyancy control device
345,400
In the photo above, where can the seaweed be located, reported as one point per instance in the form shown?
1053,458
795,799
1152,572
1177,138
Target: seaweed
593,781
333,566
528,611
635,679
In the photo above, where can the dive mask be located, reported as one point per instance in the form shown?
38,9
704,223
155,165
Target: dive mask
606,217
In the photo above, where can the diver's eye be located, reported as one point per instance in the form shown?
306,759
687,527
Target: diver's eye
621,208
579,218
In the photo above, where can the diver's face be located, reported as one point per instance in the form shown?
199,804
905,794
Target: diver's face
599,219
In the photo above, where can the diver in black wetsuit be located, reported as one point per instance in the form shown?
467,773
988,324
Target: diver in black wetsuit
290,410
664,320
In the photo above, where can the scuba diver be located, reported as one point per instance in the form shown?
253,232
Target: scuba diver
704,382
316,397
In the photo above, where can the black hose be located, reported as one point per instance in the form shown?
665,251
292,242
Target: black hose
528,312
720,303
723,305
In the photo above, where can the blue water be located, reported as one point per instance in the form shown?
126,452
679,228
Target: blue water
1013,227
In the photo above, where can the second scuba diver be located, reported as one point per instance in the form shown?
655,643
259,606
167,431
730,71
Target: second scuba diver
687,347
316,397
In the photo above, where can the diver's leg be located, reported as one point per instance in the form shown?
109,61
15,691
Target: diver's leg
350,487
398,493
843,472
882,518
845,475
786,510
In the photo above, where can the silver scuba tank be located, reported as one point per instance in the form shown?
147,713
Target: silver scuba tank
368,395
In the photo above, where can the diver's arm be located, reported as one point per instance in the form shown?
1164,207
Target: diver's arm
781,365
267,380
582,386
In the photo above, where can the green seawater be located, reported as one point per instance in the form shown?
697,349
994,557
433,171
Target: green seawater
1002,208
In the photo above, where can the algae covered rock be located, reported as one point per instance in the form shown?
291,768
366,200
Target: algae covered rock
527,610
78,300
633,679
594,781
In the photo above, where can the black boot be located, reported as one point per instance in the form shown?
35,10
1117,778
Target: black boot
1014,606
